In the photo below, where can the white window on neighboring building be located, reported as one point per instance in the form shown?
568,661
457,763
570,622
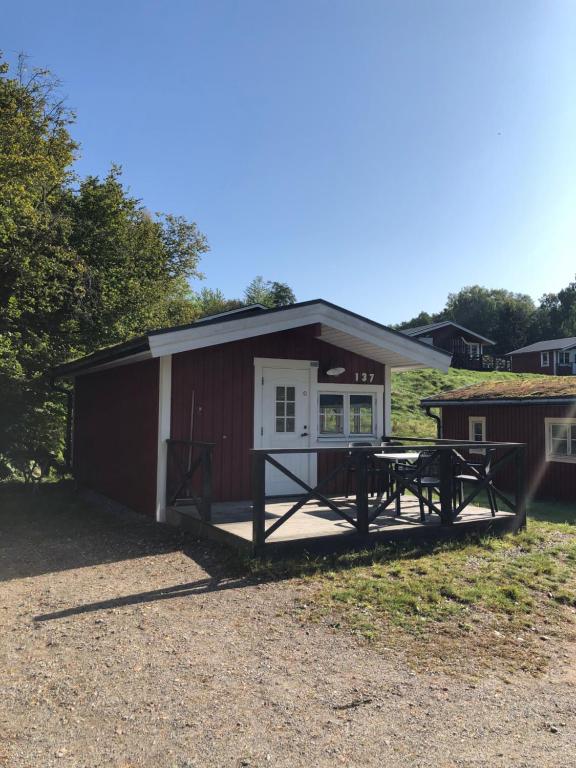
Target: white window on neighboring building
477,432
563,358
560,439
544,359
345,414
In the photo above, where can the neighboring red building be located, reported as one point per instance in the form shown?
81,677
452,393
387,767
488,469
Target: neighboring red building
540,412
466,347
556,357
308,375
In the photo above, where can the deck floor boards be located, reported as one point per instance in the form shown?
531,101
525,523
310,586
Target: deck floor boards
315,520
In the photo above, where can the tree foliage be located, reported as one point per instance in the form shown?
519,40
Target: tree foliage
81,265
269,293
512,320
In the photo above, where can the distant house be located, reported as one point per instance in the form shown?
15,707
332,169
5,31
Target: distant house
555,357
540,412
466,347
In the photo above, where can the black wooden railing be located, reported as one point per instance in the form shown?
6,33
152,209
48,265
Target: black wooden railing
448,457
480,362
189,476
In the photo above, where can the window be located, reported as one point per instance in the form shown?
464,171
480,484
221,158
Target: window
331,409
544,359
477,432
474,350
563,358
345,414
561,440
285,409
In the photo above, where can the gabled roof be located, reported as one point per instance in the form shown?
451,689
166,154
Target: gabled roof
422,330
547,346
535,389
337,326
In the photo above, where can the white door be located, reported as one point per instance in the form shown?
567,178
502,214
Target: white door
285,420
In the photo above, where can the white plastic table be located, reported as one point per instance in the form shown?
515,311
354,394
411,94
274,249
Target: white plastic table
398,456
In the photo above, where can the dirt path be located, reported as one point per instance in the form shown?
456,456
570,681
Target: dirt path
125,645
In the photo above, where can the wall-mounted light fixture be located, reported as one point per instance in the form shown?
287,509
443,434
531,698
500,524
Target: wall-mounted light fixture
337,371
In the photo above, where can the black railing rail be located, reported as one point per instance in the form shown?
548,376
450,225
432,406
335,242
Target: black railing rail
189,475
360,512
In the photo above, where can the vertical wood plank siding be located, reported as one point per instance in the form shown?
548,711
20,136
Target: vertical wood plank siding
530,363
221,380
522,424
116,433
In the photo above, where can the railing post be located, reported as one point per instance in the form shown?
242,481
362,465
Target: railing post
259,500
360,460
520,468
446,489
206,485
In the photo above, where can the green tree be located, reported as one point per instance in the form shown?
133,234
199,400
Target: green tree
269,293
80,266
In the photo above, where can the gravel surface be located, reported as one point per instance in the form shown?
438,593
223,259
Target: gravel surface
125,644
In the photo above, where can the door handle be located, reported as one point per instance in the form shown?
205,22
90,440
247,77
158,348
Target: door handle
304,434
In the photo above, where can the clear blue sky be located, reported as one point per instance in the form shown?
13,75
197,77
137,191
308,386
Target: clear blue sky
376,153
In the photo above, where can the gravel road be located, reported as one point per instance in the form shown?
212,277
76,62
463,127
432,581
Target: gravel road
124,644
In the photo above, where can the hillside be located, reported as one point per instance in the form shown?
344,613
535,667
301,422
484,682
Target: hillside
410,387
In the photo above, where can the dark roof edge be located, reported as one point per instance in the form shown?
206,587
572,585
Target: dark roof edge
561,400
434,326
103,356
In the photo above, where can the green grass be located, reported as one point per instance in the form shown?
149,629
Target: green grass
408,388
484,591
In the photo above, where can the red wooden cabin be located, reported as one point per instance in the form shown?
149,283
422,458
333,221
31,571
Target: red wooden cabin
311,374
539,412
555,357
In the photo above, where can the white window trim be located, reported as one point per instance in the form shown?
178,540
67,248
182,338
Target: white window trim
377,392
346,418
560,354
473,345
382,404
545,359
475,420
548,421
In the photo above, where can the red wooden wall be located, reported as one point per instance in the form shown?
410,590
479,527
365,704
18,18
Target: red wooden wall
521,424
222,380
530,363
116,432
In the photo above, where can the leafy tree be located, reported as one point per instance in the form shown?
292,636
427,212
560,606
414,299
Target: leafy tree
210,301
269,293
80,266
421,319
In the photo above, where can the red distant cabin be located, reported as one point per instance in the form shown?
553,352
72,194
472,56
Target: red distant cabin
467,347
555,357
311,374
540,412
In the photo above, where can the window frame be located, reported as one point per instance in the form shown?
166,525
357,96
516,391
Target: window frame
472,420
561,354
346,394
549,421
474,349
545,359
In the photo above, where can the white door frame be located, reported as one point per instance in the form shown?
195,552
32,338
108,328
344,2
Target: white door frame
310,366
276,362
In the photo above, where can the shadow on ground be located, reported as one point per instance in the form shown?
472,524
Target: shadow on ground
57,529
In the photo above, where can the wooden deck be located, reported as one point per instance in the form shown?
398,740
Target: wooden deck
317,528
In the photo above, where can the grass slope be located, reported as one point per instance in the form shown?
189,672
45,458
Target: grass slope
408,388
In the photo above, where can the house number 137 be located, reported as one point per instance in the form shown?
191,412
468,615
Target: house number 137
365,378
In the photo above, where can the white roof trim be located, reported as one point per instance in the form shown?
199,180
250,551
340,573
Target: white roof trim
397,350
